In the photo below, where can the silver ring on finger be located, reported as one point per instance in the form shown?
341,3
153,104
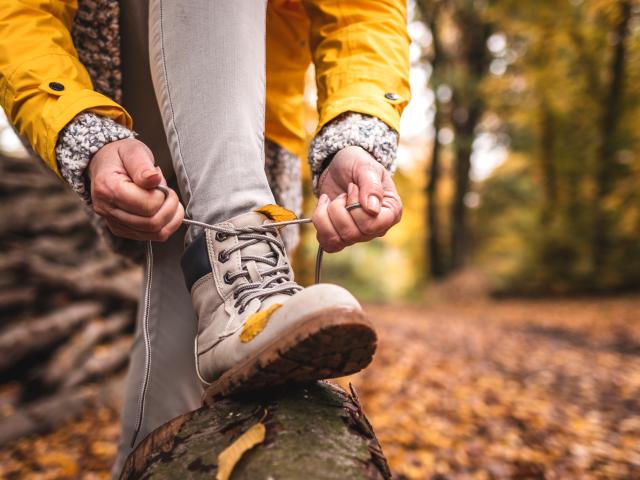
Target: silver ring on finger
352,206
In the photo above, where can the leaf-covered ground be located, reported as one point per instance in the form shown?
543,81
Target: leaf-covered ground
547,389
511,389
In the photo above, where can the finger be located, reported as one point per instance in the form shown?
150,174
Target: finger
121,230
366,224
393,202
390,213
369,226
369,181
173,225
391,197
136,200
342,221
151,224
326,234
387,181
139,164
353,194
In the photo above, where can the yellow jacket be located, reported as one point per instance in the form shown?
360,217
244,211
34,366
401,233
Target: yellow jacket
359,48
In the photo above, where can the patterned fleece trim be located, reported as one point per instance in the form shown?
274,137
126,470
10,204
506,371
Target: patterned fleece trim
285,179
96,36
353,129
78,141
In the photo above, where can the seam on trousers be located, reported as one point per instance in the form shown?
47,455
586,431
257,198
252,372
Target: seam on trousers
173,117
263,103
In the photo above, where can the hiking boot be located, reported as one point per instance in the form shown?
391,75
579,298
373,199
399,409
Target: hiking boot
256,326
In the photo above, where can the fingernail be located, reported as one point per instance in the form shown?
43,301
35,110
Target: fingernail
373,203
324,198
149,173
342,195
350,189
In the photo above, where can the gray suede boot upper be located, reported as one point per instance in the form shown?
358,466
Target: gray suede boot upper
250,311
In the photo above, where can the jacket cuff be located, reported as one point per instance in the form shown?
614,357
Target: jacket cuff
78,141
352,129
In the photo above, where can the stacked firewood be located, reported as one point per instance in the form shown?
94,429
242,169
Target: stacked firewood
67,304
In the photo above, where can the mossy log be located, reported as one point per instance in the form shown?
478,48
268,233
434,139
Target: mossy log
314,431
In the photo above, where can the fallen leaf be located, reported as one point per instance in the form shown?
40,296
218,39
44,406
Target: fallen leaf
277,213
231,455
256,323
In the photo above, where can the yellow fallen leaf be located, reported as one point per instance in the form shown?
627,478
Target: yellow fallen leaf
103,449
276,213
256,323
230,456
66,465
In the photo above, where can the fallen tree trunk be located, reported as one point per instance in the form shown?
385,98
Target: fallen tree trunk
90,279
23,339
315,431
71,358
50,413
67,304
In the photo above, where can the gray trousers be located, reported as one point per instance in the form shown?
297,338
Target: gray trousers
194,82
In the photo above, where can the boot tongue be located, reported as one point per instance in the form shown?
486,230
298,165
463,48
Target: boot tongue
259,249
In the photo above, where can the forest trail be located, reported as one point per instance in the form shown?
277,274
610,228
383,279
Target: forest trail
460,390
510,389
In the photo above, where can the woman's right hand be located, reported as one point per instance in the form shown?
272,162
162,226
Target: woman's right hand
123,192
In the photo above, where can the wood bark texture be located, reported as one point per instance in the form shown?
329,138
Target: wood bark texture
67,303
315,431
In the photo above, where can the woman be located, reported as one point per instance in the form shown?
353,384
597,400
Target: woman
192,75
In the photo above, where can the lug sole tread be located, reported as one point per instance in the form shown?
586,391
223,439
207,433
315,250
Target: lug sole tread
332,343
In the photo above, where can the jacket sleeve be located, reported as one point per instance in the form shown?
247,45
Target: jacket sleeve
360,49
288,60
43,85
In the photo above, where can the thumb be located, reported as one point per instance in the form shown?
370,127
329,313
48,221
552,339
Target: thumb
138,162
371,192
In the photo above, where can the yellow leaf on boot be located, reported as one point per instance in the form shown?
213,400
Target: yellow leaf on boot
276,213
230,456
256,323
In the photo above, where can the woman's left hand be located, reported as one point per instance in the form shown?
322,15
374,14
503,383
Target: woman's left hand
355,176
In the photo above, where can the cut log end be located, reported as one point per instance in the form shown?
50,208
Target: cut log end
312,431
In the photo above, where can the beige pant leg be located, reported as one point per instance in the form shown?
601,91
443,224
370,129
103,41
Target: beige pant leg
173,387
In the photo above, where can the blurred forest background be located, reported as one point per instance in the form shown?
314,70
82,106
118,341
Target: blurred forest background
520,150
506,299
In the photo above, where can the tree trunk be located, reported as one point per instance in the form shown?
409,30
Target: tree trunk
605,168
313,431
459,230
468,107
548,167
436,265
464,129
435,254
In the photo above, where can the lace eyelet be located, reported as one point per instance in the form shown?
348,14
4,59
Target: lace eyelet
227,279
221,237
223,257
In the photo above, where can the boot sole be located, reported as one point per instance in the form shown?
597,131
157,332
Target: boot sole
328,344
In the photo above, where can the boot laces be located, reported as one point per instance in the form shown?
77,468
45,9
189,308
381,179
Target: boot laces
275,279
